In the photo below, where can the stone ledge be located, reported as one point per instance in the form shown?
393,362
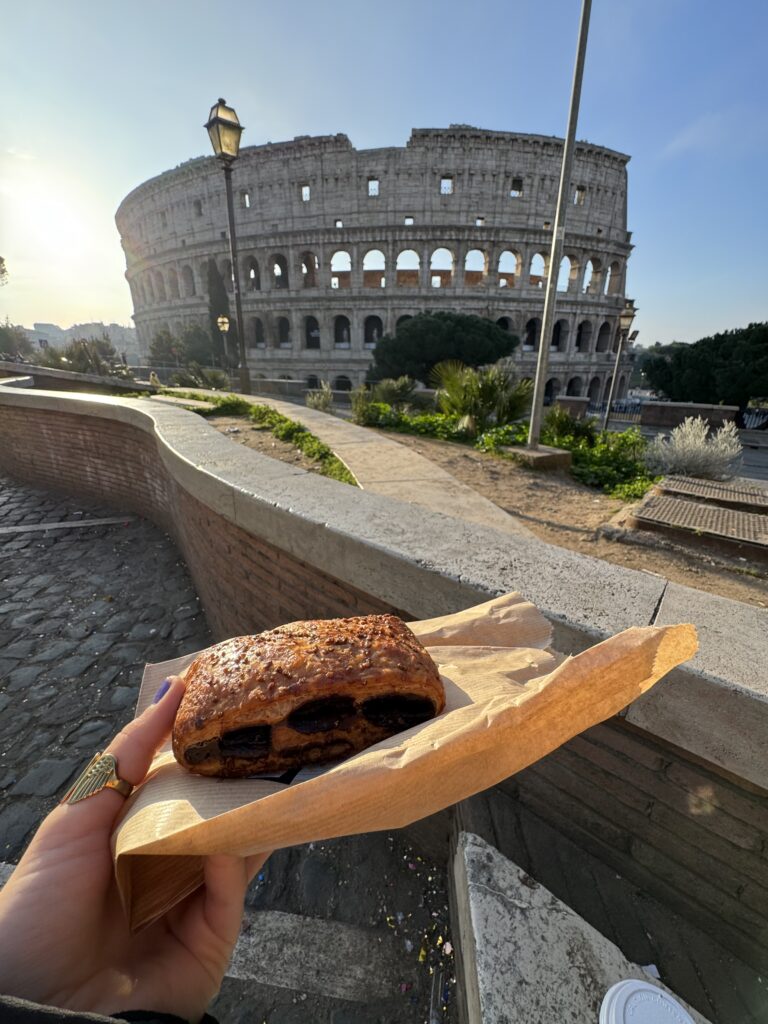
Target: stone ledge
430,564
542,457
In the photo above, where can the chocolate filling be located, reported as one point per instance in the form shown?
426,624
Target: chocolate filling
322,715
252,741
398,712
200,752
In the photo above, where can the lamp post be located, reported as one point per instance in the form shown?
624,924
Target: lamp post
222,322
225,130
625,322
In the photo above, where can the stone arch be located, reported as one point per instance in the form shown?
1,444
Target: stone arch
505,323
537,271
160,286
607,387
584,336
188,280
342,383
342,332
310,268
311,332
532,334
475,268
402,319
594,391
591,280
373,329
551,389
560,336
252,274
509,269
621,391
564,274
341,269
173,283
441,268
575,384
258,338
603,337
312,382
278,271
283,325
374,267
613,279
616,339
407,269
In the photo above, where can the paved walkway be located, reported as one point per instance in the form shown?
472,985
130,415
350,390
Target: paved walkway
333,931
383,466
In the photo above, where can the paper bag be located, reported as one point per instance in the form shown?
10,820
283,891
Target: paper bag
510,700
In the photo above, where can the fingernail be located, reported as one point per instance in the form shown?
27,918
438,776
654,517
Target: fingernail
164,688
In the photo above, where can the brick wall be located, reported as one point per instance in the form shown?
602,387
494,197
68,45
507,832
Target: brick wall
671,414
681,830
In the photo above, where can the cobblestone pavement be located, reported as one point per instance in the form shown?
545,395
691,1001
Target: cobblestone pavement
81,610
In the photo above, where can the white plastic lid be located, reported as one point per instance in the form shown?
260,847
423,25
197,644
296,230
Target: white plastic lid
639,1002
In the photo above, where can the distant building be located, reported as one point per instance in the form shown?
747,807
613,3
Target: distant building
124,339
337,246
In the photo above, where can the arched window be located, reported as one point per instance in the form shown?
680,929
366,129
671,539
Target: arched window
505,323
312,382
160,286
342,332
279,271
258,339
475,268
441,268
149,285
173,283
402,319
613,279
509,269
374,266
407,269
373,330
564,275
607,388
603,338
252,275
532,335
560,336
311,332
283,332
575,384
591,281
621,390
342,384
583,336
594,391
551,390
341,270
536,272
188,280
310,265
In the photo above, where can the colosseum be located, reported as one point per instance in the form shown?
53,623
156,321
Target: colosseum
337,246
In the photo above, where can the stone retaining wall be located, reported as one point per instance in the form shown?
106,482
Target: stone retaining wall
681,807
672,414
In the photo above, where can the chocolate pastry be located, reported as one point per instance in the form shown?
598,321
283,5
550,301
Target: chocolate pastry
304,693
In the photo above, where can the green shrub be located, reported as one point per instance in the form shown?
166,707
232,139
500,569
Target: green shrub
496,438
322,399
558,423
396,393
480,397
296,434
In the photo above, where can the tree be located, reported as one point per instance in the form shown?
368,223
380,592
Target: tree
480,397
427,339
3,272
164,349
725,369
85,355
196,345
218,305
14,341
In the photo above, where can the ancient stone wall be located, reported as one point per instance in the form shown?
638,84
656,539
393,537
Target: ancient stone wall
338,245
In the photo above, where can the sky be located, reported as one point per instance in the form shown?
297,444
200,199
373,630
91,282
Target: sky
98,97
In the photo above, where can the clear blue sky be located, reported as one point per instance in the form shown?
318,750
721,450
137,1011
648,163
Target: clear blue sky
98,97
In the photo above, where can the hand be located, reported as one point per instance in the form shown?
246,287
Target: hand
64,939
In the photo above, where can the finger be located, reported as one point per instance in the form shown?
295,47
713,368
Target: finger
226,880
135,745
254,864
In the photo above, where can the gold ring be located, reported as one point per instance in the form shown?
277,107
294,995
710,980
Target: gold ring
100,773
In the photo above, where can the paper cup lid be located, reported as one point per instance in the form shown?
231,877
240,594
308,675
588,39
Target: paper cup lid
638,1002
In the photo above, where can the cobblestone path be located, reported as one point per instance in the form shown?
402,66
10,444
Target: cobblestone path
82,609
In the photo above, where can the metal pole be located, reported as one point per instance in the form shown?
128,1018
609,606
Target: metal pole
607,416
558,233
245,375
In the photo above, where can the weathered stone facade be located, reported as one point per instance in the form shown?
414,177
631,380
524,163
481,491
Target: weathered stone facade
337,245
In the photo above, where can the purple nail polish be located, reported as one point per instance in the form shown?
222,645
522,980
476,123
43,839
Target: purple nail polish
164,688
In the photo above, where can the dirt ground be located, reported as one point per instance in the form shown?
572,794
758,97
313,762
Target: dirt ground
554,507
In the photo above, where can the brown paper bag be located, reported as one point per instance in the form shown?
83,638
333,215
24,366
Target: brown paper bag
509,701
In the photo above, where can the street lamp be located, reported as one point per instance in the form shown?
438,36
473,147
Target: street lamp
625,322
222,322
224,131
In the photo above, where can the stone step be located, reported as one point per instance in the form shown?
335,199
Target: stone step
524,955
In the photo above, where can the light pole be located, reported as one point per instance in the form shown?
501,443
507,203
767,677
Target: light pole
222,322
225,130
625,322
